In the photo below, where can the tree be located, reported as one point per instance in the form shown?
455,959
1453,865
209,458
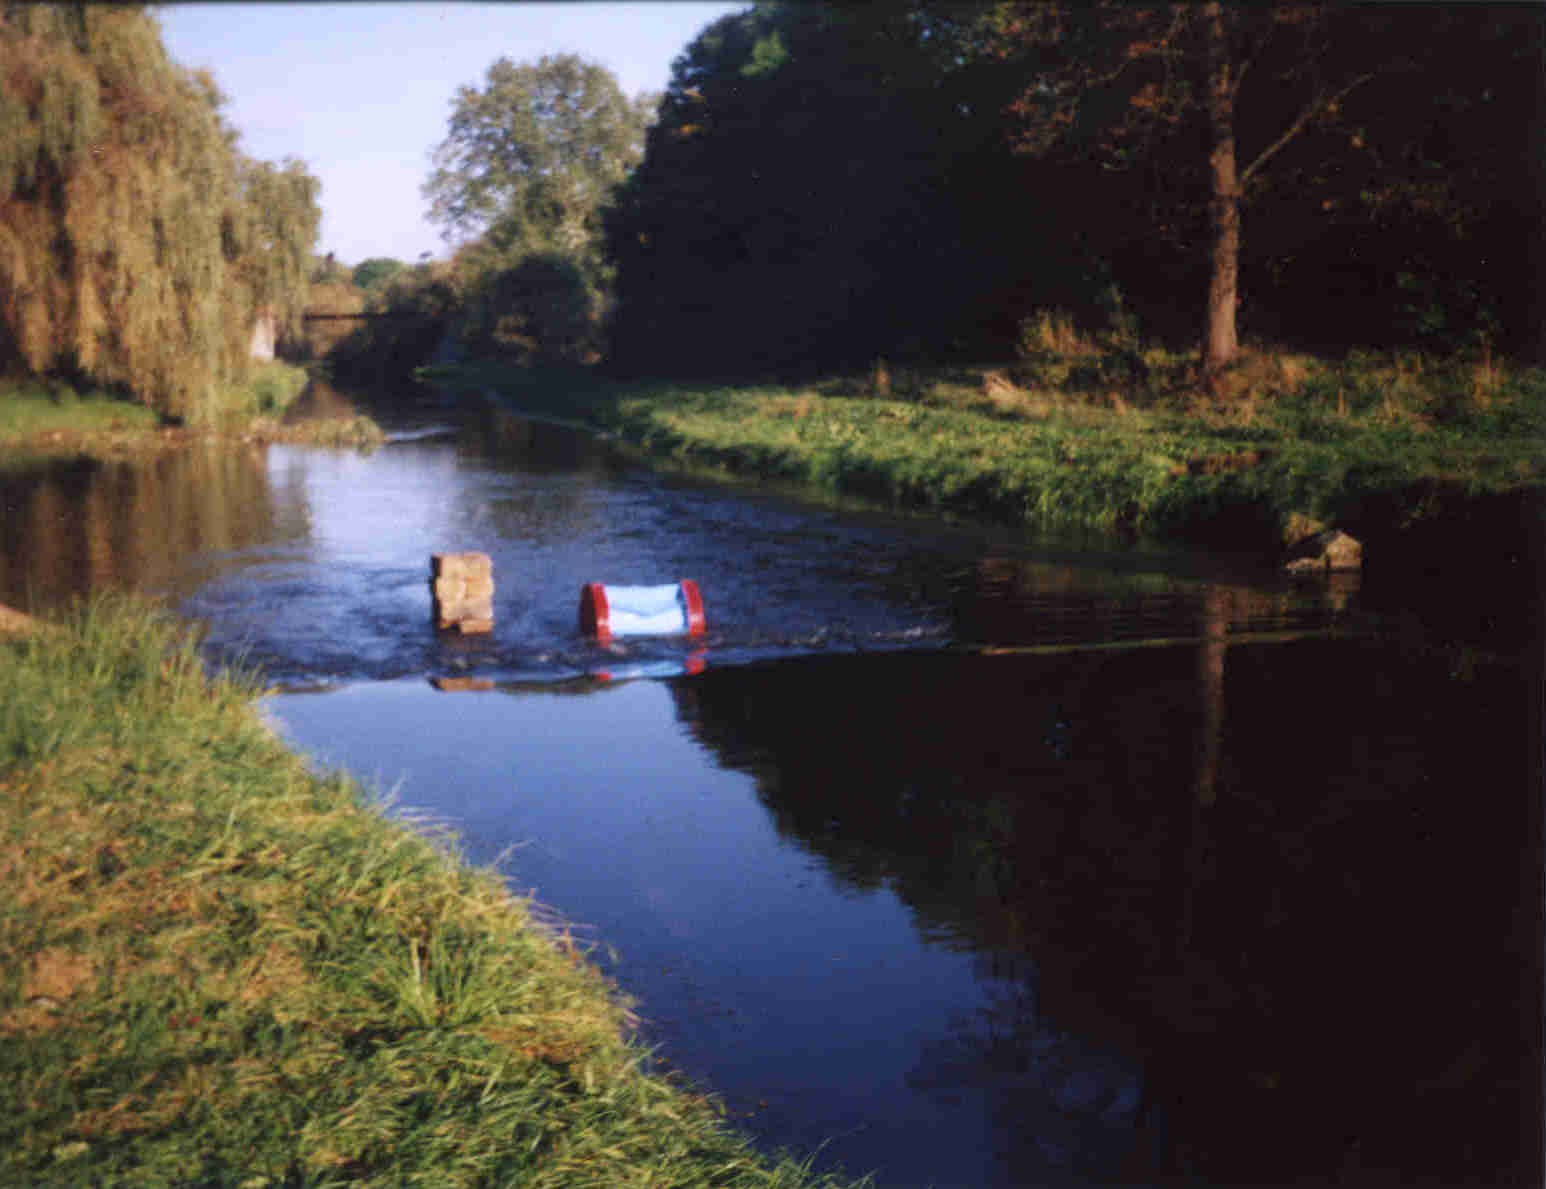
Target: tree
329,270
532,158
1221,90
800,201
137,245
375,272
269,233
537,311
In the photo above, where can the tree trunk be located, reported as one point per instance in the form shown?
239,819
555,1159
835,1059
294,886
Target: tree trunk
1536,249
1220,343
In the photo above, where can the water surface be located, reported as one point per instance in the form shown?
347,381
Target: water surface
963,857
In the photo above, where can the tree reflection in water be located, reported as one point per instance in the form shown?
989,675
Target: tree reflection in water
141,524
1244,912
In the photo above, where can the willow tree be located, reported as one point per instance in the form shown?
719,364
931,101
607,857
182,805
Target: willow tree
137,244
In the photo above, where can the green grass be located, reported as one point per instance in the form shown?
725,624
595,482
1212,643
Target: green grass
43,421
36,409
220,969
270,388
1085,434
30,410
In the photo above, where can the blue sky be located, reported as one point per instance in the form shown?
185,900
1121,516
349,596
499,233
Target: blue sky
362,92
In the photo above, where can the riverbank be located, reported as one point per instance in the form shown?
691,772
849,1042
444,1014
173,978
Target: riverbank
1105,439
42,422
222,968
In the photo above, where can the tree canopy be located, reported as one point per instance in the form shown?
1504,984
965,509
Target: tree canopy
530,163
800,199
377,271
1222,104
137,244
532,157
828,183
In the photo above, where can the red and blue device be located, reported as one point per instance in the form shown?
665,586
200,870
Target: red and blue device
675,609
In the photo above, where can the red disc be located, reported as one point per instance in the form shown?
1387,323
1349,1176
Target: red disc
694,601
595,615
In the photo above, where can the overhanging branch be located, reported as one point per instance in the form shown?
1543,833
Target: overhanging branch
1298,126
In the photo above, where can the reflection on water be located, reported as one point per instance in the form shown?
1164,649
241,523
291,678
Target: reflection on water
1309,933
158,524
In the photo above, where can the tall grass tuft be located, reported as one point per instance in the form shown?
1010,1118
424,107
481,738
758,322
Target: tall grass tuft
222,969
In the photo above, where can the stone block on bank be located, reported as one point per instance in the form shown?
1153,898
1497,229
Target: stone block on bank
1324,551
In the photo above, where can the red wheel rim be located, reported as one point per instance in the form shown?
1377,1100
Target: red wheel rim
595,615
694,601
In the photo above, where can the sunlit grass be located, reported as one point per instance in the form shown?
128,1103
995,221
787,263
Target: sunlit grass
268,390
30,410
1082,433
355,433
222,969
40,422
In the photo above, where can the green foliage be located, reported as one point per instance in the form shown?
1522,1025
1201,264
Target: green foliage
799,205
527,168
271,387
420,302
223,969
329,270
377,271
537,312
269,234
1151,457
137,246
316,339
27,411
1366,149
531,158
826,184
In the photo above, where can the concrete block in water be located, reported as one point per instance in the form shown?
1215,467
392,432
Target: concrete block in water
462,591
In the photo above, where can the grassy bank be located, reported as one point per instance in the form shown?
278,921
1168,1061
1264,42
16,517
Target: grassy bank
45,419
1083,433
221,969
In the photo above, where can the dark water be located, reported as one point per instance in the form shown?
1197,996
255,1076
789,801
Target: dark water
966,859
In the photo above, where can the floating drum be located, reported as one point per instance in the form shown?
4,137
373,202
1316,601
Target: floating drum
674,610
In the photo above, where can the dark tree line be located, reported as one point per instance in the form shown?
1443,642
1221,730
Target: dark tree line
803,196
827,184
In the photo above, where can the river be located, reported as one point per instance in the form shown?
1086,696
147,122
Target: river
950,854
